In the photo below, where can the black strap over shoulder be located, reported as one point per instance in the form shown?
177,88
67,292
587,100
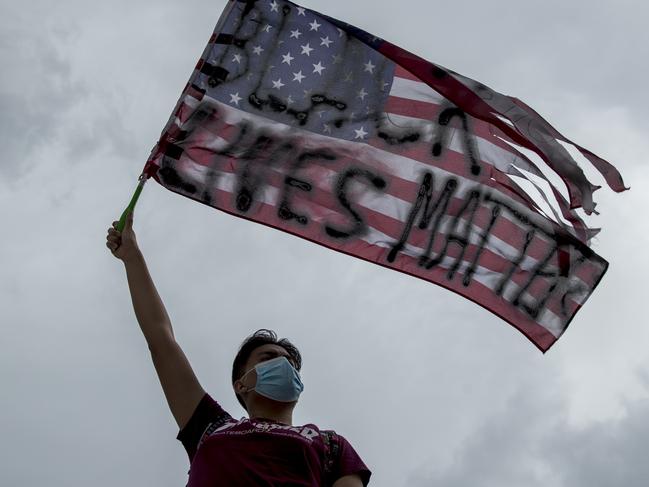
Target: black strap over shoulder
332,451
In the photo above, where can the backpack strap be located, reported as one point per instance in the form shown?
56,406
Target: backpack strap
332,451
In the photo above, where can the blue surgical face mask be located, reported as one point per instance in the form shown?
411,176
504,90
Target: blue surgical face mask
277,379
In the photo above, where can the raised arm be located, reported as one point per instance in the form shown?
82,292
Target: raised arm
179,383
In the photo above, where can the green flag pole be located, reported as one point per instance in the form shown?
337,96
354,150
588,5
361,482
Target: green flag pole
131,205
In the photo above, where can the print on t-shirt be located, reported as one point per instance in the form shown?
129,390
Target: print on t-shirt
261,452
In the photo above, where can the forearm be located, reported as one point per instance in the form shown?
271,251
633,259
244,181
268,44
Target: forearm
149,308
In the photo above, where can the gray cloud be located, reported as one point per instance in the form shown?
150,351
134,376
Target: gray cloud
417,378
36,92
531,442
48,102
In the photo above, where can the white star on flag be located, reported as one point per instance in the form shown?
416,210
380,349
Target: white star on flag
296,33
278,84
237,58
300,11
258,50
298,76
337,58
287,58
307,50
318,68
362,94
360,133
274,7
314,25
369,66
235,98
325,41
268,27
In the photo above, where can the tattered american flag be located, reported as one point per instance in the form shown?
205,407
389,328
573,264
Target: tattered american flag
314,127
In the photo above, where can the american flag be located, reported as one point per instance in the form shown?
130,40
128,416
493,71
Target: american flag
312,126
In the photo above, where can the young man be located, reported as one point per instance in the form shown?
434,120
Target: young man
262,450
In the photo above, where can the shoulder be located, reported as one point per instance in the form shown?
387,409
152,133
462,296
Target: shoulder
334,440
207,416
207,410
341,459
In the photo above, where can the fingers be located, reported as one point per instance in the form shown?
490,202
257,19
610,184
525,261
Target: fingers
114,238
113,242
112,245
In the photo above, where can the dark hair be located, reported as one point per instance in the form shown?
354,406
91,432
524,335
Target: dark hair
257,339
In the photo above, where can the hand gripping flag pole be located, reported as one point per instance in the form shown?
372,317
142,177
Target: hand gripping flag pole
131,206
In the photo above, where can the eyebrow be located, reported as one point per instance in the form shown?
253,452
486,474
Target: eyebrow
277,354
272,352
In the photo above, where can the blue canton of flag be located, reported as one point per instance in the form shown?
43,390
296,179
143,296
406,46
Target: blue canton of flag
300,70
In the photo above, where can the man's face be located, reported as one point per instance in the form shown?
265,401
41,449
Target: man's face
262,354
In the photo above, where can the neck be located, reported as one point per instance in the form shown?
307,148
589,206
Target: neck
273,410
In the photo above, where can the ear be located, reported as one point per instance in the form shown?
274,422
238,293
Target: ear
239,387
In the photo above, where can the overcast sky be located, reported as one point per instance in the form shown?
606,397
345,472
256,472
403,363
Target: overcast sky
429,388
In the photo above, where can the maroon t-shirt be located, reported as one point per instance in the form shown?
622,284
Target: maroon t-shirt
227,452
